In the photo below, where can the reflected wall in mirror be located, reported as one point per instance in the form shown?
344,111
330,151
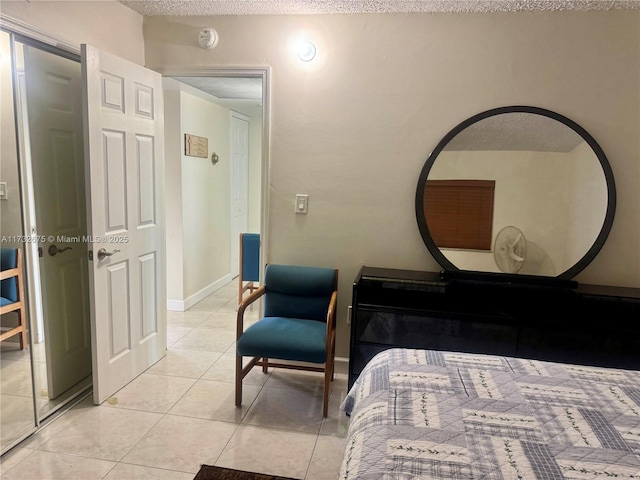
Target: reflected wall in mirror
552,180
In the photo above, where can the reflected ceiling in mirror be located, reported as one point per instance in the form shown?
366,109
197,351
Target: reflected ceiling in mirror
553,183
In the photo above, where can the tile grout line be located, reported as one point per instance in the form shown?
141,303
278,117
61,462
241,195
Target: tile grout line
164,414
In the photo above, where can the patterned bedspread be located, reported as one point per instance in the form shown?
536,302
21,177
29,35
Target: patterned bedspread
444,415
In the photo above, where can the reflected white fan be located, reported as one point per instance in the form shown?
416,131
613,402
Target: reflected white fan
510,249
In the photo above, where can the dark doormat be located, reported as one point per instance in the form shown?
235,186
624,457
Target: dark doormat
207,472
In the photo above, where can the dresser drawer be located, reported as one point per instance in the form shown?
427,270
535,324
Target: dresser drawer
390,327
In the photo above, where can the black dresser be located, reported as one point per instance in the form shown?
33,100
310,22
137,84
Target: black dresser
546,320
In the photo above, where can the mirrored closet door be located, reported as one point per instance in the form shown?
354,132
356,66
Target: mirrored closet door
17,408
44,171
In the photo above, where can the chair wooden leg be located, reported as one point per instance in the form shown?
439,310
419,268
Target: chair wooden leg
265,366
23,334
333,366
23,321
325,397
238,380
333,362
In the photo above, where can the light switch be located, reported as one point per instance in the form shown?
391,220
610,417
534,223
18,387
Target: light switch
3,190
301,203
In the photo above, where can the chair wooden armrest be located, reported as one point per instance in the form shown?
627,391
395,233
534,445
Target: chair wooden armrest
330,349
331,317
243,306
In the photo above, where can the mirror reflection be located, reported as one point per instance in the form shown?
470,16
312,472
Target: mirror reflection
17,414
42,136
551,198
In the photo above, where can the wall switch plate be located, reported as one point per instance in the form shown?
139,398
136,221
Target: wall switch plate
301,203
3,190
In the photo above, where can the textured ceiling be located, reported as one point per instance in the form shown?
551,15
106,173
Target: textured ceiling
250,102
298,7
516,132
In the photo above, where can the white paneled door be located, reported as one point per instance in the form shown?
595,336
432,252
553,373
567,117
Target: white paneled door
125,146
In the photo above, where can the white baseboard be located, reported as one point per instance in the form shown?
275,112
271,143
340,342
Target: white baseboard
184,305
341,365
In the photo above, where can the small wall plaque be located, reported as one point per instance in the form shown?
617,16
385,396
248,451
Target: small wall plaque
196,146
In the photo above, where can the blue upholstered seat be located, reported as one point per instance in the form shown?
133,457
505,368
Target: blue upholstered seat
286,339
298,322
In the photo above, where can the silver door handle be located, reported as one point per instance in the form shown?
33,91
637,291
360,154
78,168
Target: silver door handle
54,250
102,253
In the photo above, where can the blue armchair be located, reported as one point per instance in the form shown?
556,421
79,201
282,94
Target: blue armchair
299,324
12,297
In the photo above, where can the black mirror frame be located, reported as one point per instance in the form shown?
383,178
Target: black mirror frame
604,163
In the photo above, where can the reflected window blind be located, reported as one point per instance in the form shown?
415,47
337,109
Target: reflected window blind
459,213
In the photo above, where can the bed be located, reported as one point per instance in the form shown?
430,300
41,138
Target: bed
431,414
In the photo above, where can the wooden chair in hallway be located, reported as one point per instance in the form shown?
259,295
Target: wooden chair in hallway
249,271
298,324
12,297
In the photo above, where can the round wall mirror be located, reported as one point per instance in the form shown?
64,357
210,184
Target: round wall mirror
516,190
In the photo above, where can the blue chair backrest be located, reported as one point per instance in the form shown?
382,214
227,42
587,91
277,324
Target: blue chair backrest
250,257
295,291
9,287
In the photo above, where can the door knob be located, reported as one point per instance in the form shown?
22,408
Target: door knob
54,250
102,253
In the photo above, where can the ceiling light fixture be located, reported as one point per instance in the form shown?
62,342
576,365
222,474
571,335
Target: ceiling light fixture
306,51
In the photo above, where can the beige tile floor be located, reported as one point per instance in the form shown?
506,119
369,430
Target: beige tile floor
16,389
180,414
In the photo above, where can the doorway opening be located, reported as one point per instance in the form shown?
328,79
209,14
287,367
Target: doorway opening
223,193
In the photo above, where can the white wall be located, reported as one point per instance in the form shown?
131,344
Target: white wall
353,128
199,194
535,192
10,209
587,188
107,25
205,196
173,148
